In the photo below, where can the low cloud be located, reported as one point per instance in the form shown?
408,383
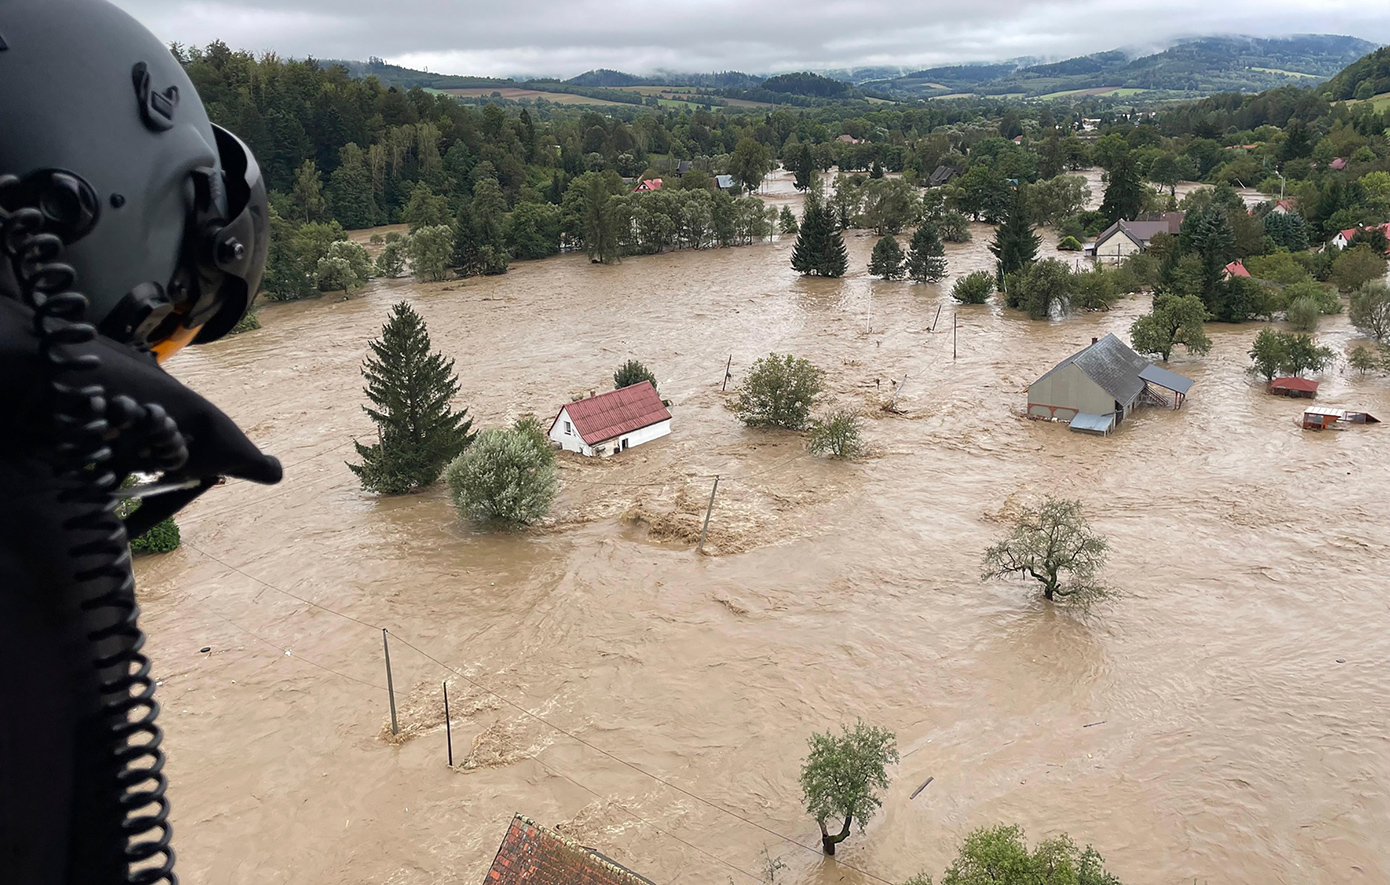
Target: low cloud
567,37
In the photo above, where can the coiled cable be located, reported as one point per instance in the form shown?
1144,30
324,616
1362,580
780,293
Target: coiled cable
120,790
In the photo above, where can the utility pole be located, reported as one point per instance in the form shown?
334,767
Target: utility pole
727,366
700,548
390,685
954,327
448,731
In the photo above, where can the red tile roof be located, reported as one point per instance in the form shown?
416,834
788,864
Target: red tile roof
616,412
1237,269
533,855
1294,384
651,184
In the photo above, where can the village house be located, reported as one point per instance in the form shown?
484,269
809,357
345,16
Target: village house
849,139
1343,238
943,174
1123,238
1235,269
1322,418
651,184
1296,387
533,855
724,182
682,167
611,422
1284,207
1095,388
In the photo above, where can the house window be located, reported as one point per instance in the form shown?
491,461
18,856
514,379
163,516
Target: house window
569,431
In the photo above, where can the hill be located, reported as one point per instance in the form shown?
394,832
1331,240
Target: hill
1364,78
1198,66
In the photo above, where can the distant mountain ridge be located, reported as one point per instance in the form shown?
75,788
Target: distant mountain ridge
1196,66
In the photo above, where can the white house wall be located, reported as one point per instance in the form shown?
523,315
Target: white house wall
635,437
571,442
1067,392
1116,249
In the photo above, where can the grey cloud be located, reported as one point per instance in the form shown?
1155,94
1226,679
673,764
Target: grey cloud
566,37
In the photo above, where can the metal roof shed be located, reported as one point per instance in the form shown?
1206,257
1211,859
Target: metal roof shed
1294,387
1087,423
1168,381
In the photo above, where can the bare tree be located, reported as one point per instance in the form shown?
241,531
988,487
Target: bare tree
1053,544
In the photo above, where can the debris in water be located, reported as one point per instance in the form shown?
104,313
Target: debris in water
920,789
1089,724
205,649
1341,660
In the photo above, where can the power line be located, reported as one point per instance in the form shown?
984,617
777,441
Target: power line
281,590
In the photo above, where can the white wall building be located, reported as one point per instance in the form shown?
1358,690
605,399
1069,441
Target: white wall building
611,422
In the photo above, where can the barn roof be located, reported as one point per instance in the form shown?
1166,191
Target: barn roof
1304,384
1111,364
616,412
533,855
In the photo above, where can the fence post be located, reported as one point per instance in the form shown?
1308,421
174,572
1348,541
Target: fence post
708,510
448,731
390,685
725,386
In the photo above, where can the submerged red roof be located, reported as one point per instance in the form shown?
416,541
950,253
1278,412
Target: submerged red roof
1294,384
616,412
533,855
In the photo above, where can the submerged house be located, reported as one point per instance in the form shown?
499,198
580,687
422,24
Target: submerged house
1321,418
943,175
533,855
1123,238
1095,388
1297,387
611,422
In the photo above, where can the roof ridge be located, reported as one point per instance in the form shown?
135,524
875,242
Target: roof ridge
612,865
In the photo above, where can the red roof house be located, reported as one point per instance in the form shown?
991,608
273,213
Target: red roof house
1302,387
611,422
533,855
1343,238
1338,164
651,184
1235,269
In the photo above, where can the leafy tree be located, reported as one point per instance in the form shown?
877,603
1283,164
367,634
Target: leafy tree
778,392
1269,352
889,204
1125,192
1041,288
1356,267
1097,288
999,856
1174,320
426,208
1055,199
1362,359
819,249
786,221
1372,238
926,256
249,322
1303,355
1370,310
974,288
594,217
749,163
1055,545
632,372
1302,314
533,231
1169,169
334,274
953,227
842,775
887,259
507,476
838,435
876,170
429,249
307,196
390,262
411,389
350,192
1015,244
984,193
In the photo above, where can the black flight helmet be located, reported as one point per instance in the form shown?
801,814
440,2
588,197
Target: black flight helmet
164,215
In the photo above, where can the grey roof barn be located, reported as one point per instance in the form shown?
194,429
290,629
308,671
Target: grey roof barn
1095,388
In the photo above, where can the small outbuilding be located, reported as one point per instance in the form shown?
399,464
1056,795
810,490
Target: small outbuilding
1321,417
1094,389
1297,387
611,422
533,855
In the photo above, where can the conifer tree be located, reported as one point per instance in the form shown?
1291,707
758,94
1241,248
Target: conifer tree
1015,245
1124,193
819,249
805,171
887,260
411,389
876,170
926,257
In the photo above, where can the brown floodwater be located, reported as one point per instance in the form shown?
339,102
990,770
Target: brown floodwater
1222,720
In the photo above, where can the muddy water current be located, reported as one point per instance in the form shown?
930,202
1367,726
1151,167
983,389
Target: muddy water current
1223,720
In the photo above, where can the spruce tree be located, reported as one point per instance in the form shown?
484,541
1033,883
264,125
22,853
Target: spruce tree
1015,245
411,389
819,249
876,170
805,169
887,260
1124,193
926,257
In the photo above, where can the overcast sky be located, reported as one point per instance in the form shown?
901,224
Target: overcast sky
567,37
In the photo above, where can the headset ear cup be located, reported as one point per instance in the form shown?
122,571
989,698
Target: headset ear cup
240,248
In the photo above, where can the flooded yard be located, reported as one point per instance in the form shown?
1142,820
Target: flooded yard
1224,719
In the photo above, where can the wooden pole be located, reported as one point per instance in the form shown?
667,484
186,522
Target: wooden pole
390,685
448,731
953,336
935,318
727,367
708,510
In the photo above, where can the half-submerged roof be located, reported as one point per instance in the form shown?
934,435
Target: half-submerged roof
1166,379
1112,365
1143,231
532,855
600,418
1307,385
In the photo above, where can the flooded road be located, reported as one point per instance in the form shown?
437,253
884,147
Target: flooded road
1223,720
